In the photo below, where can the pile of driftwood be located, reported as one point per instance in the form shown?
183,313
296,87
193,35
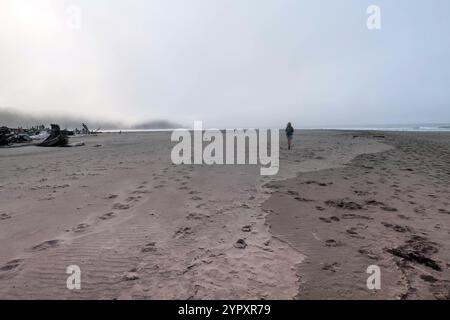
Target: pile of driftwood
5,135
54,137
57,137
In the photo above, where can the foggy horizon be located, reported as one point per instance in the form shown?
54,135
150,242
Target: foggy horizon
14,119
226,63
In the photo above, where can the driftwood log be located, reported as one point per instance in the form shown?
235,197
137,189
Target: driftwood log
57,138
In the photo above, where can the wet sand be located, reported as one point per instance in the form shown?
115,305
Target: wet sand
390,209
140,227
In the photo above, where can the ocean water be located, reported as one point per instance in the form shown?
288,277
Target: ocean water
444,127
136,130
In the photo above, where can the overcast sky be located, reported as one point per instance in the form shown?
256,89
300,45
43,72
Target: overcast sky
230,63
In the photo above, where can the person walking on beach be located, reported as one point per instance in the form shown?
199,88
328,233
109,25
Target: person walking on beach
289,133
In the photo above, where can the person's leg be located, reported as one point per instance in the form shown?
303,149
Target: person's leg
289,143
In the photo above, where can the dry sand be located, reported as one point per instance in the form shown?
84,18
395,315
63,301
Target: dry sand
140,227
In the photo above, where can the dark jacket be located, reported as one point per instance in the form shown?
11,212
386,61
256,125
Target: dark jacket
289,131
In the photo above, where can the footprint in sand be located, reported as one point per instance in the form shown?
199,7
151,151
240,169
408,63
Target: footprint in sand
121,206
396,227
272,186
111,196
323,219
389,209
367,252
107,216
428,278
196,198
301,199
46,245
132,199
331,219
5,216
149,247
197,216
355,216
48,198
11,265
344,204
352,232
80,228
332,243
140,191
330,266
321,184
374,203
183,231
360,193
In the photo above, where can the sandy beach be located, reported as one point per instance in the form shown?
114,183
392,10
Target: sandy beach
140,227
